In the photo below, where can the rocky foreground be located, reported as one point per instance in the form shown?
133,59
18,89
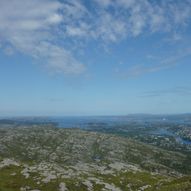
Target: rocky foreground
45,158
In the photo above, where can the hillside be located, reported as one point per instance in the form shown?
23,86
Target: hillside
43,157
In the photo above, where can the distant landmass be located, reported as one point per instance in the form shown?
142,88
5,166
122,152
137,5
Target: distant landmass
114,153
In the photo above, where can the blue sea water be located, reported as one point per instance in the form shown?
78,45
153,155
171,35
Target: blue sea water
83,122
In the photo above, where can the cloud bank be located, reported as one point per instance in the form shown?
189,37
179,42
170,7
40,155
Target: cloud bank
46,29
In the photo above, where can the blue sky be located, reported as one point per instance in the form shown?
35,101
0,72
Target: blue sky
99,57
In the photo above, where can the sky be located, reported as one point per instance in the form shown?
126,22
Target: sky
98,57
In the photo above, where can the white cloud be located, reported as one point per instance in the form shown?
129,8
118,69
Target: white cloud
37,27
58,59
144,15
179,90
30,27
77,31
170,62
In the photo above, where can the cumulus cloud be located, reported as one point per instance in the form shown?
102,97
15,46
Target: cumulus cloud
139,16
42,28
31,26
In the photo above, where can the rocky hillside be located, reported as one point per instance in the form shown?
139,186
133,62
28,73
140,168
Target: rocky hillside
47,158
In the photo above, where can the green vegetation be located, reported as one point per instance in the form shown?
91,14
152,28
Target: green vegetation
45,158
